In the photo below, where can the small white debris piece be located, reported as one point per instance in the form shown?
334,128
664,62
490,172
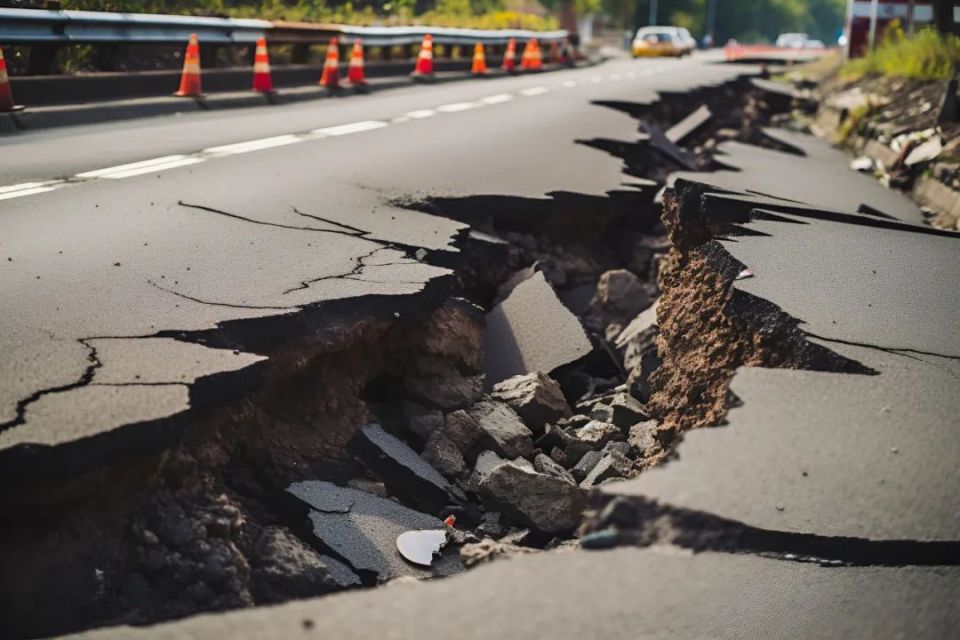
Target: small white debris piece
396,314
924,152
419,547
746,273
863,163
421,254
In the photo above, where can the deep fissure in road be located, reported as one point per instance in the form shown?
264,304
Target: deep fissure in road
244,509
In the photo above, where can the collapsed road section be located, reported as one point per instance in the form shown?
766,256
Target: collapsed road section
736,365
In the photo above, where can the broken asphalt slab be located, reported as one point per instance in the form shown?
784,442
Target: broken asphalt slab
361,529
531,331
620,594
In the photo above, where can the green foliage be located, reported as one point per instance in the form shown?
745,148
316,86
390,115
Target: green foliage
482,14
926,56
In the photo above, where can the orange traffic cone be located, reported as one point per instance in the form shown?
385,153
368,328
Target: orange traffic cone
6,96
190,79
330,78
424,66
479,67
510,56
261,68
355,71
527,55
536,57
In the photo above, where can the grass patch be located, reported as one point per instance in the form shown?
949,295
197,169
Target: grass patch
925,56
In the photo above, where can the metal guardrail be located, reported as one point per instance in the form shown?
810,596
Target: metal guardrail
39,26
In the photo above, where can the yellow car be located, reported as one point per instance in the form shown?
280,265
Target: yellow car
662,41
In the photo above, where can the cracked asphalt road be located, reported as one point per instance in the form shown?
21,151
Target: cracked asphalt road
108,258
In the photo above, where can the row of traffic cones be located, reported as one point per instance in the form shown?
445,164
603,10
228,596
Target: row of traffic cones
190,84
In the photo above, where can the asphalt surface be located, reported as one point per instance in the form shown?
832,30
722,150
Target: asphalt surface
203,238
853,458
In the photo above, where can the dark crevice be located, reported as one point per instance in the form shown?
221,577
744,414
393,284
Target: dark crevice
357,269
642,522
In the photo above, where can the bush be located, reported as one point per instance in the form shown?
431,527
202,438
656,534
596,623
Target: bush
926,56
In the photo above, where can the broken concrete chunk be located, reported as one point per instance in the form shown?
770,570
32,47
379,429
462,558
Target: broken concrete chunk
623,448
691,123
284,568
544,464
489,549
531,331
424,424
452,390
369,486
596,434
421,546
490,527
324,496
925,151
443,455
365,536
585,465
621,410
638,382
487,461
620,296
611,465
643,438
462,430
546,503
502,430
537,398
405,473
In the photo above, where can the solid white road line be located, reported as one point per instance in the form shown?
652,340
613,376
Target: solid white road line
499,98
29,189
419,114
353,127
458,106
139,168
533,91
252,145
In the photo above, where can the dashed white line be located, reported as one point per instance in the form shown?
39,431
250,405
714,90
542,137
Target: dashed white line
631,74
497,99
454,107
252,145
419,114
613,76
596,79
568,84
353,127
29,189
533,91
139,168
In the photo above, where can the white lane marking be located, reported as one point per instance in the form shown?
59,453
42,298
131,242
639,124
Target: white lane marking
533,91
420,114
139,168
631,74
29,189
454,107
499,98
596,79
252,145
568,84
613,76
353,127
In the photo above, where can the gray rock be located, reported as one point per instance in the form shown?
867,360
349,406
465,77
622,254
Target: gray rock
403,471
462,430
486,462
285,568
638,381
451,390
502,429
369,486
491,525
611,465
535,397
366,535
425,424
596,434
546,503
559,456
585,465
643,438
620,296
621,410
623,448
443,455
544,464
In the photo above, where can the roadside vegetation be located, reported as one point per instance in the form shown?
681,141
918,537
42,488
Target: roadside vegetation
925,56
